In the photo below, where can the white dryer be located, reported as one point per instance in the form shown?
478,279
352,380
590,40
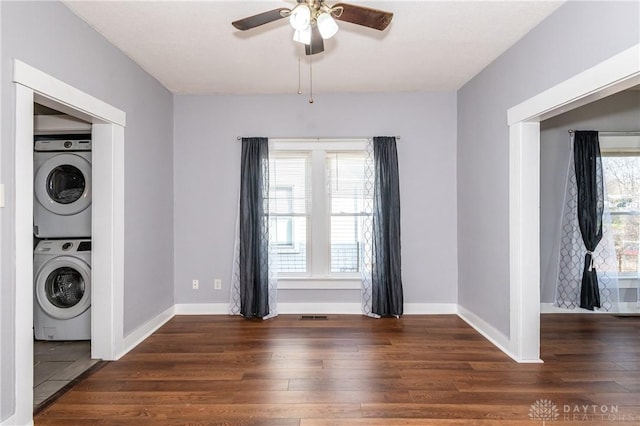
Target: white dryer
62,290
62,187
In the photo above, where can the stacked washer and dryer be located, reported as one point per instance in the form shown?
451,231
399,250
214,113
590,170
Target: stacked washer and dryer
62,228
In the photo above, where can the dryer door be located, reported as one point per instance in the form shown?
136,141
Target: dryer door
63,184
63,287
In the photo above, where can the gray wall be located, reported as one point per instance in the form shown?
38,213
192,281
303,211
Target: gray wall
577,36
49,37
207,170
619,112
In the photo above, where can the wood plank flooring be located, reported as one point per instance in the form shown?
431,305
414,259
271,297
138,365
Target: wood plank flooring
353,370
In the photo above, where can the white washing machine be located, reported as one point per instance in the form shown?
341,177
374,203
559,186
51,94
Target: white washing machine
62,290
62,186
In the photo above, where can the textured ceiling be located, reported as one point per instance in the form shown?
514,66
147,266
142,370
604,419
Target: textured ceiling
191,47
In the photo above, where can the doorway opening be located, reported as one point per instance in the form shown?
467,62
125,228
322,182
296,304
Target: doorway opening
613,75
34,86
62,252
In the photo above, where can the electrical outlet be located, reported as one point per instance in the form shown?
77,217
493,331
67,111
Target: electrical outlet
195,284
217,284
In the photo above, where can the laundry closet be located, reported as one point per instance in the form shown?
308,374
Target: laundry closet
62,157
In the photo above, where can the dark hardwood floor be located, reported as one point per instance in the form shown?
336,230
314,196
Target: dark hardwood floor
353,370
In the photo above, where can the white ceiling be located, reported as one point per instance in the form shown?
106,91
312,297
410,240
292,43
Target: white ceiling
191,47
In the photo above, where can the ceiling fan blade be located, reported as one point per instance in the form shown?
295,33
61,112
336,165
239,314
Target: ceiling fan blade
365,16
317,43
261,19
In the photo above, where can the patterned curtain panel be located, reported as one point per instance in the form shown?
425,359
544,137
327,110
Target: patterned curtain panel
599,265
366,236
253,290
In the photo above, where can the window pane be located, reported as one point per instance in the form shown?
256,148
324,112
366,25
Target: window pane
289,204
345,253
346,180
291,239
289,184
622,176
349,198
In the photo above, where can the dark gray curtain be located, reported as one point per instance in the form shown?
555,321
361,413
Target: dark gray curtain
254,227
386,280
588,165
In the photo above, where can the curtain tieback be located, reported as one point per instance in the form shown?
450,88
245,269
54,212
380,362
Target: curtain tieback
590,253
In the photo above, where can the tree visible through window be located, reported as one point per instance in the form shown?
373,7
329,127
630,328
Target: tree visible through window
622,177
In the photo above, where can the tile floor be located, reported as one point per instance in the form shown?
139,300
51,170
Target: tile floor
55,364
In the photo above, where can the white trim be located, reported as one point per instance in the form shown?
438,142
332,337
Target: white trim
64,95
145,330
430,308
320,308
623,308
617,73
108,229
524,235
23,198
491,334
613,75
107,312
201,309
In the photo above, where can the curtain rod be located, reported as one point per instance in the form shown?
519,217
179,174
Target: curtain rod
614,133
239,138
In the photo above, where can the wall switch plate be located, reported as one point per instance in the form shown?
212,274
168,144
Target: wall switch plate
195,284
217,284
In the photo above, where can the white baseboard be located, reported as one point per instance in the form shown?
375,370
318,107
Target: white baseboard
430,308
316,308
147,329
320,308
623,308
501,341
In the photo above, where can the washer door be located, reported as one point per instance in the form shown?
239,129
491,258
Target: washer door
63,184
63,287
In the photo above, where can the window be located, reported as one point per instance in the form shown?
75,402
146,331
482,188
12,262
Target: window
289,208
318,205
621,171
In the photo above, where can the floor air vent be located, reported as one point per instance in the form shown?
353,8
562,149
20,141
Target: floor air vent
314,317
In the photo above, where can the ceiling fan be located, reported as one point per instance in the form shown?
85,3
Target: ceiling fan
314,21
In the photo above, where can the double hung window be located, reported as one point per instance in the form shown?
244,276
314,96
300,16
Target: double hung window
319,198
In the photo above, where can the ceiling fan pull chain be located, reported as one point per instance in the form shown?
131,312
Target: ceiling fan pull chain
310,79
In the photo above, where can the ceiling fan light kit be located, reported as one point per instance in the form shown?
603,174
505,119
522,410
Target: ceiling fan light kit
327,25
314,21
300,17
302,36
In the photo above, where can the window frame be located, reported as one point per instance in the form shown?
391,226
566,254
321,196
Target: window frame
622,146
319,275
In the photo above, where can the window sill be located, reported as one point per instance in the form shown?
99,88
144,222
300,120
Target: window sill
319,283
